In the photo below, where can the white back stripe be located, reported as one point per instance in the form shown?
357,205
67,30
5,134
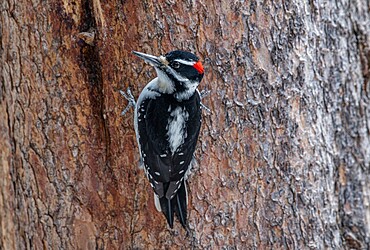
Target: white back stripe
176,128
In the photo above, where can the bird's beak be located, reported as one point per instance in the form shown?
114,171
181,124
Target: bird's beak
152,60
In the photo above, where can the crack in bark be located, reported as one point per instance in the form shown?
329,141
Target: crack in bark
255,214
91,61
135,206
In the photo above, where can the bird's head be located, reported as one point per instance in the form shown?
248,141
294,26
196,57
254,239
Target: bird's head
179,72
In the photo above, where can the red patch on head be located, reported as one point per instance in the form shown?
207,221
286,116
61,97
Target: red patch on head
199,67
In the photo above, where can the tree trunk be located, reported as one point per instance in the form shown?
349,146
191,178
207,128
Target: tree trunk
283,158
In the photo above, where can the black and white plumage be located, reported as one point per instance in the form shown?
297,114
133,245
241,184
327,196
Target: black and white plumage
167,123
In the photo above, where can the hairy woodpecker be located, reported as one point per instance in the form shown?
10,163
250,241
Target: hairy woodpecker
167,122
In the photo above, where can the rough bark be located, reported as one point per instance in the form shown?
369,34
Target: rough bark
283,159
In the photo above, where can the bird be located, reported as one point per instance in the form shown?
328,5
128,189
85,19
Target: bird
167,121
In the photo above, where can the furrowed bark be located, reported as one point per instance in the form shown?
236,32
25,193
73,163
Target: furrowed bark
282,160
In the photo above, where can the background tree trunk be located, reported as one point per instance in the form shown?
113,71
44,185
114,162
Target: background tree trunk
283,159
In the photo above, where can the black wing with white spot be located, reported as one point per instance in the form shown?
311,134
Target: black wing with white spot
167,141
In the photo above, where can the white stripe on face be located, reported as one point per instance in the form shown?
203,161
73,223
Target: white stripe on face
191,63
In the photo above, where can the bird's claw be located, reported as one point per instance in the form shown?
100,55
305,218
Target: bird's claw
202,94
205,107
130,98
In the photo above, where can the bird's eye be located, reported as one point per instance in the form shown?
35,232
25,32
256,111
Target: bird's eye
176,65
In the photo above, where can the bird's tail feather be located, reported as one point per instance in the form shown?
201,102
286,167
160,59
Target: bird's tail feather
181,201
167,209
177,205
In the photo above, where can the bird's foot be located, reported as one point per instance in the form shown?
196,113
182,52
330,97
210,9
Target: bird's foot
202,94
130,98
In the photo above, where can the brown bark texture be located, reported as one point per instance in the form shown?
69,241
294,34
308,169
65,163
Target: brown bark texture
283,156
